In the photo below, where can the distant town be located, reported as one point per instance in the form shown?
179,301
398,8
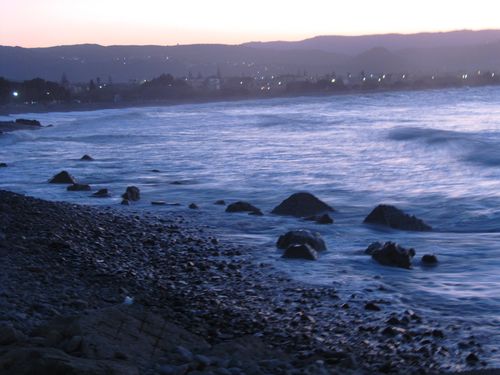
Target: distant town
39,93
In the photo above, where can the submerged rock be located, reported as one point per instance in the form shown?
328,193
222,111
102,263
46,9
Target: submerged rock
62,178
301,205
393,217
158,203
391,254
243,207
132,193
299,237
220,202
193,206
321,219
23,121
125,202
102,193
3,165
79,187
301,251
429,260
87,158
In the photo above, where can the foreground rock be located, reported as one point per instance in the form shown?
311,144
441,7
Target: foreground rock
301,251
393,217
391,254
132,193
301,237
244,207
301,205
63,178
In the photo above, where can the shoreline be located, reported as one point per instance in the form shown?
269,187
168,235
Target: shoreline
9,109
106,267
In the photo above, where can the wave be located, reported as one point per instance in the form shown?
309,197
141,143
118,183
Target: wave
482,149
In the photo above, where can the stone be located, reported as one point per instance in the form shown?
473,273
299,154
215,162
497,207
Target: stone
23,121
371,306
87,158
429,260
243,207
193,206
62,178
125,202
158,203
132,193
3,165
220,202
101,193
393,217
372,247
392,254
323,219
300,251
299,237
301,205
79,187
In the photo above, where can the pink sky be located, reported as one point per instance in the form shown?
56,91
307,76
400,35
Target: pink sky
35,23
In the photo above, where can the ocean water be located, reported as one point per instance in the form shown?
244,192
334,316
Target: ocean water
434,154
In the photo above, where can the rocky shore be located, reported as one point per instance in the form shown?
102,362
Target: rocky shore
96,291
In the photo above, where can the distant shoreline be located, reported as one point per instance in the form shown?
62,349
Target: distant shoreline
12,109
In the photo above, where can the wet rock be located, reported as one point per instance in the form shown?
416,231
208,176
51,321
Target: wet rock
193,206
243,207
392,254
300,251
372,247
301,205
220,202
299,237
125,202
23,121
393,217
3,165
321,219
86,158
472,358
132,193
158,203
371,306
79,187
101,193
429,260
62,178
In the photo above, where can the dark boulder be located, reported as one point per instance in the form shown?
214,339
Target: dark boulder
300,251
23,121
220,202
193,206
87,158
243,207
301,205
132,194
299,237
102,193
79,187
373,246
429,260
62,178
3,165
395,218
392,254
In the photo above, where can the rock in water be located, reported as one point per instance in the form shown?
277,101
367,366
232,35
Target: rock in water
62,178
392,254
132,194
300,237
23,121
79,187
300,205
193,206
220,202
243,207
429,260
101,193
87,158
3,165
395,218
125,202
301,251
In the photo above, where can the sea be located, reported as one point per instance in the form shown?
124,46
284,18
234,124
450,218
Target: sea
434,154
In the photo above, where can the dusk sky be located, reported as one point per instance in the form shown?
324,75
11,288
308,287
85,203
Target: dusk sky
36,23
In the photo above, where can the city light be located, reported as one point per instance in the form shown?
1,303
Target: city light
334,80
15,94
